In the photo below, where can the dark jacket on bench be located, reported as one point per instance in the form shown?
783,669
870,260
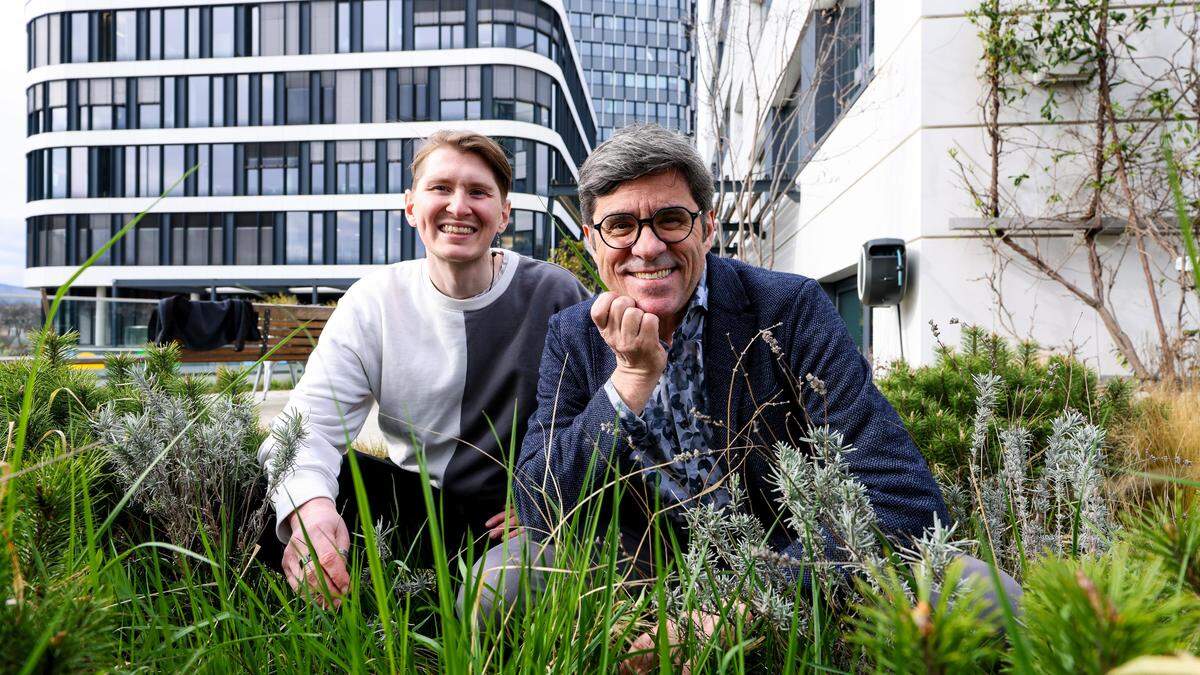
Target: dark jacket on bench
203,325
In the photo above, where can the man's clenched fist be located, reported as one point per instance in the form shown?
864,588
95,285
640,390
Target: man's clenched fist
633,337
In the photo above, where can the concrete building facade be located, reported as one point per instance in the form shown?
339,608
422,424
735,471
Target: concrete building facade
894,121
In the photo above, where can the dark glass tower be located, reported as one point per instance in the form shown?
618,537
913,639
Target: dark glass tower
639,61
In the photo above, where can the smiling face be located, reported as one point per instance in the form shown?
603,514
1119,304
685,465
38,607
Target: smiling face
456,206
659,277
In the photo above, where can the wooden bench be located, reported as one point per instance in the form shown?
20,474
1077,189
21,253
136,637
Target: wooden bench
275,323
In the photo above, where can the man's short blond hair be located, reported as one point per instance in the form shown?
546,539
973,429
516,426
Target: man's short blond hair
476,144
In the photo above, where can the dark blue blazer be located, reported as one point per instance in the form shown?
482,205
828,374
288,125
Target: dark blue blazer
747,392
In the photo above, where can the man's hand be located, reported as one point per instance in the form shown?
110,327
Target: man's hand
633,337
644,657
503,525
330,546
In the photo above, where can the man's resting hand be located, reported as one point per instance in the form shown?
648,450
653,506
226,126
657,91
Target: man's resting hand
633,337
330,540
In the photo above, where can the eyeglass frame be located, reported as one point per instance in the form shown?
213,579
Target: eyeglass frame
647,222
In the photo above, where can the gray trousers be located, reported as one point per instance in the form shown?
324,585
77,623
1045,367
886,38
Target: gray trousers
495,582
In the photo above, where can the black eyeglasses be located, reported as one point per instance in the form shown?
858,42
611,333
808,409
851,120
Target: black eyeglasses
671,225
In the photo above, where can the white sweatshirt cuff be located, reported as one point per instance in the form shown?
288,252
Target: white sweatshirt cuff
302,486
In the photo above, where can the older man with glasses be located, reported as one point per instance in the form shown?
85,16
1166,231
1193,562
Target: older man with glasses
678,377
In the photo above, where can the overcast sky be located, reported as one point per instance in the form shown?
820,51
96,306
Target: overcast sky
12,141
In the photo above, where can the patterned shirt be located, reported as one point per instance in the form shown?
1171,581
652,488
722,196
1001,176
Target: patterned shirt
669,434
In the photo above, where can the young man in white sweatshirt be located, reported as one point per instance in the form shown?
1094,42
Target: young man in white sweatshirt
448,346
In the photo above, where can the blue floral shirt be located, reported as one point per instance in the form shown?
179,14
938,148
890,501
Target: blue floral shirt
671,435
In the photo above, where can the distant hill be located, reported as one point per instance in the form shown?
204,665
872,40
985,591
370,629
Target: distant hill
9,294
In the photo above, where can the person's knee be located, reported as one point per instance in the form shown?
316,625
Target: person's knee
501,577
979,574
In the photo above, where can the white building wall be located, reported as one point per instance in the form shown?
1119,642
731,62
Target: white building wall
886,170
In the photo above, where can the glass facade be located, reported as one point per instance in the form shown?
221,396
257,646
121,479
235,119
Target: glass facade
345,237
836,47
638,59
254,169
296,28
83,164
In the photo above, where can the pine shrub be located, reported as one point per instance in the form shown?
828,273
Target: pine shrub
937,402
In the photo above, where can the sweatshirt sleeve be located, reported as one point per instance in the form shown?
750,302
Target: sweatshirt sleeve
334,397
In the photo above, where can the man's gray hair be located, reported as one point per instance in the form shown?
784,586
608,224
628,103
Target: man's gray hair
641,150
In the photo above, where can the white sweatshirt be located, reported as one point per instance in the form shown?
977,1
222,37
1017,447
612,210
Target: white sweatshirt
438,367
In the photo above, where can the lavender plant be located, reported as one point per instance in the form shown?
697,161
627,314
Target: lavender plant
1060,510
187,457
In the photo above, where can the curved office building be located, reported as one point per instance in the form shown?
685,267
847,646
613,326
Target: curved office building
301,118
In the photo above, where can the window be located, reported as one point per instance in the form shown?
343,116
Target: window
349,174
216,242
395,25
318,238
202,178
378,96
413,97
79,172
198,101
348,237
519,237
395,167
252,168
147,237
268,99
168,99
218,101
343,27
150,170
521,94
425,24
296,240
80,37
459,93
246,239
55,240
297,98
40,38
292,28
316,158
58,105
379,234
273,162
173,168
97,233
173,34
243,100
156,34
395,234
56,35
198,246
375,25
193,33
58,173
222,31
271,39
149,97
222,170
127,35
349,101
323,27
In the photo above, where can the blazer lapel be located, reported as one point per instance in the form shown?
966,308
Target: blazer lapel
729,328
